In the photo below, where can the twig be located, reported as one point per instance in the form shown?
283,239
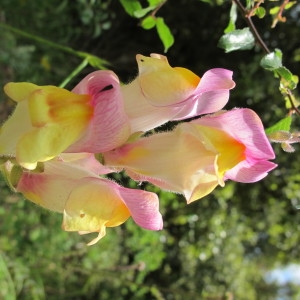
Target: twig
247,16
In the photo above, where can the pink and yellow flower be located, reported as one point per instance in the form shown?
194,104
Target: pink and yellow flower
71,185
49,120
161,93
199,155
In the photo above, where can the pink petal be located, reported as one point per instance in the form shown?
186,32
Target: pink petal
247,172
144,208
216,79
245,126
206,103
211,95
109,127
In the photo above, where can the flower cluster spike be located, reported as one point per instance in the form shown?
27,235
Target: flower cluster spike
59,145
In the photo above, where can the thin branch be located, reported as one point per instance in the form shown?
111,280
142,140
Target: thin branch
247,16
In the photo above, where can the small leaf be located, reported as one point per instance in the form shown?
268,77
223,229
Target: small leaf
275,10
272,60
131,6
240,39
282,125
260,12
155,2
290,4
164,33
143,11
232,18
288,80
148,23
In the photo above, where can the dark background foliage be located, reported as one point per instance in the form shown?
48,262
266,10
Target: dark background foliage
218,248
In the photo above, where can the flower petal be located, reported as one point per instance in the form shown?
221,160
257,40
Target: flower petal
17,125
51,188
109,126
161,93
211,94
48,191
178,161
249,172
142,115
143,207
92,206
51,119
246,127
19,91
163,85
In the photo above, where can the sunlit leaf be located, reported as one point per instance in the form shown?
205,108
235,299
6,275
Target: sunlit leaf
155,2
260,12
143,11
287,78
282,125
274,10
232,18
149,22
240,39
164,33
272,60
131,6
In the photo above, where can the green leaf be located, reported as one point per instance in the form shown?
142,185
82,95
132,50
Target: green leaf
143,11
272,61
131,6
287,78
282,125
155,2
149,22
260,12
290,4
164,33
275,10
240,39
232,18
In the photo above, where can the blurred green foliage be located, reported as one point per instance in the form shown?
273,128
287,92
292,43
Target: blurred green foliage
216,248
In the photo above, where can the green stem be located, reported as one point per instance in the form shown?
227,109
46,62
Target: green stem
42,40
100,62
75,72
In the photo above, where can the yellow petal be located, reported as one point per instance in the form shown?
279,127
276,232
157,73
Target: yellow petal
19,91
45,143
163,85
92,206
16,126
231,151
52,104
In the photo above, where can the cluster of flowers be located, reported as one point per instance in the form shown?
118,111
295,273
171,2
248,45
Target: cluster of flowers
58,145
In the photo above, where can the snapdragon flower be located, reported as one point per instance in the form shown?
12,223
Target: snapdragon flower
199,155
72,185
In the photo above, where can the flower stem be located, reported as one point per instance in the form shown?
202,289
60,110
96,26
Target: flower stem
100,62
74,73
40,39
